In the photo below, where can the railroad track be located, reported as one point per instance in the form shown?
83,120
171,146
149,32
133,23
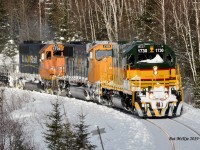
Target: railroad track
180,135
164,131
187,126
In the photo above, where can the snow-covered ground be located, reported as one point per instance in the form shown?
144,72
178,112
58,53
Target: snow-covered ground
191,117
123,131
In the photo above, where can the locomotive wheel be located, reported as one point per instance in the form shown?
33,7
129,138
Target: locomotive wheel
100,99
109,103
19,85
104,101
49,91
132,110
68,93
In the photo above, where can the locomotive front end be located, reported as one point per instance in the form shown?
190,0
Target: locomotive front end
159,101
154,80
52,62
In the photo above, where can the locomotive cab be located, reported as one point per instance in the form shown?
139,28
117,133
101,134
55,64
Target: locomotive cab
141,60
100,63
52,61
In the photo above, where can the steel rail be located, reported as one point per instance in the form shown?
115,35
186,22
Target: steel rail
168,136
187,126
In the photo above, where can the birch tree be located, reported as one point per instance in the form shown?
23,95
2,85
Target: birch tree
196,6
107,15
186,33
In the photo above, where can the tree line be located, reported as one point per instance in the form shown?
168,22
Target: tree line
172,22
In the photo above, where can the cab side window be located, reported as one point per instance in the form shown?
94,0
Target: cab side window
131,61
48,55
169,59
91,55
42,57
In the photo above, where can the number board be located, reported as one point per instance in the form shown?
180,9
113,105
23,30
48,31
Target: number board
56,48
106,46
142,50
159,50
151,50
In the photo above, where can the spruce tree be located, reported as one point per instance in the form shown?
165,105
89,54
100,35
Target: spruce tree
4,26
68,139
197,92
148,21
54,133
82,135
18,140
53,18
65,27
10,51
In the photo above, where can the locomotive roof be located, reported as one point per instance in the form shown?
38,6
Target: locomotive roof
96,43
46,46
129,47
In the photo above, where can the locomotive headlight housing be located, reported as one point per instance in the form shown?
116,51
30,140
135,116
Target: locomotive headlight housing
151,96
155,70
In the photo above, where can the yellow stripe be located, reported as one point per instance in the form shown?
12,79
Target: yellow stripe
137,106
163,111
149,113
156,113
133,98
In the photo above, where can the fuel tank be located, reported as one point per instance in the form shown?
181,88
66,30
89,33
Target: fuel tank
79,92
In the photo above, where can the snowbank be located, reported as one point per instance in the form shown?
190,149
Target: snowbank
191,117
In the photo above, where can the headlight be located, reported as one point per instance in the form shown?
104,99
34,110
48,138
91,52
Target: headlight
166,95
155,70
151,96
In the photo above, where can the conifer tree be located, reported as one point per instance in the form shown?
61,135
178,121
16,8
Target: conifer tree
4,26
54,133
10,50
68,139
82,135
197,92
53,19
65,27
18,140
148,22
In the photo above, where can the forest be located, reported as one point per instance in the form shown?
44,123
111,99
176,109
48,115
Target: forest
171,22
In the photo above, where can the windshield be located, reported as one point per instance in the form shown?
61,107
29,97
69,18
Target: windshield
131,61
150,58
100,54
57,53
